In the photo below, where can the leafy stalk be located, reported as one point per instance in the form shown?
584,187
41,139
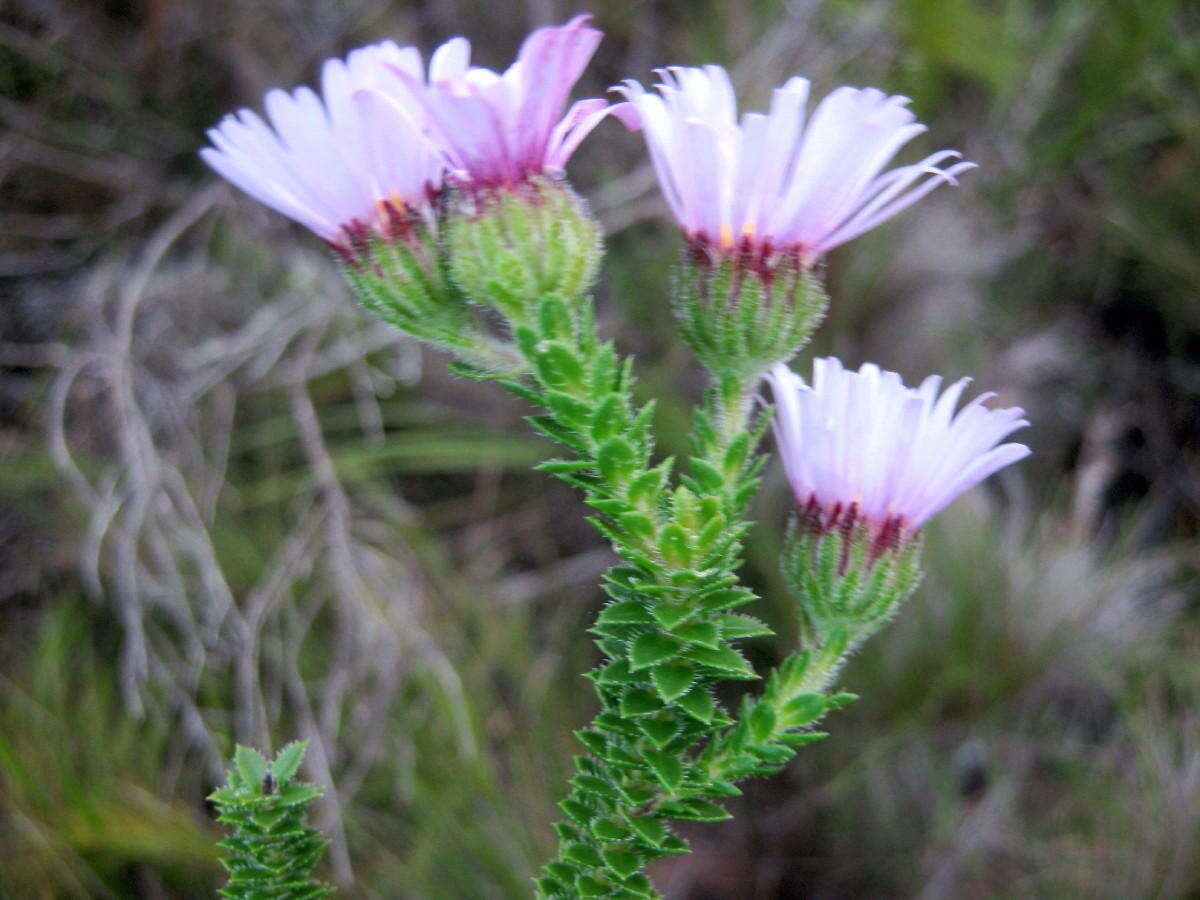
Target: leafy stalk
669,633
272,851
661,746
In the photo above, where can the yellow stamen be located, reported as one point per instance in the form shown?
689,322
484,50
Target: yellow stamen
727,234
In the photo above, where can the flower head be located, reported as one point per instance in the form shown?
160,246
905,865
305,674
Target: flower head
347,163
497,129
774,183
861,448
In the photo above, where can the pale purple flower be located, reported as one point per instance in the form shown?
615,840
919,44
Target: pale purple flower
349,161
497,129
777,182
862,447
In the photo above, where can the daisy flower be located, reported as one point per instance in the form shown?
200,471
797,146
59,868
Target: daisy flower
862,448
499,129
779,183
347,162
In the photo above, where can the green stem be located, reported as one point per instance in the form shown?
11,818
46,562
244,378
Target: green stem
661,747
795,698
666,637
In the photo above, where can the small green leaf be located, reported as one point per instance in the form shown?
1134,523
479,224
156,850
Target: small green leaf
608,830
640,886
297,794
609,418
698,703
802,709
565,833
573,413
670,616
587,886
553,317
616,673
675,846
584,854
639,702
627,612
562,466
727,598
251,766
837,701
637,524
703,633
772,754
591,784
287,761
697,809
594,741
762,722
723,789
726,659
647,485
622,862
710,532
735,627
667,768
615,459
608,505
561,870
660,731
672,679
652,830
706,476
799,739
565,364
549,427
792,670
674,545
576,811
735,456
639,794
651,648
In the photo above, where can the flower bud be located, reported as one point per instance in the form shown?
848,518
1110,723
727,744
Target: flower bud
741,312
510,246
399,274
845,577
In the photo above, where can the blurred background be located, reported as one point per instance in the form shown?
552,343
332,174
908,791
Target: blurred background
234,507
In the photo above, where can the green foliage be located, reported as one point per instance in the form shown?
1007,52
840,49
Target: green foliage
272,851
